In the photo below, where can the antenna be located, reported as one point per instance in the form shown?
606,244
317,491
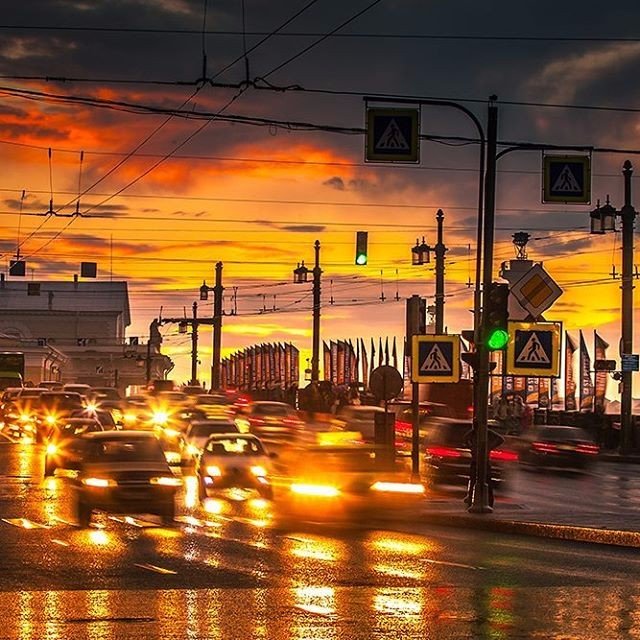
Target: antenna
50,185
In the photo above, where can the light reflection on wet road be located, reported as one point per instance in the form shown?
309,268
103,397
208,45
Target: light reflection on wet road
226,571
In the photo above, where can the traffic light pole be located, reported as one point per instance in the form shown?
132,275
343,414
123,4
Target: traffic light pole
480,499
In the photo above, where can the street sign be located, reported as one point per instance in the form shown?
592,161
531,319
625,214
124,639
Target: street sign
536,291
566,179
436,358
385,383
630,362
534,349
393,135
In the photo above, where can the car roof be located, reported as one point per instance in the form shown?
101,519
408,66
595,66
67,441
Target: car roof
235,436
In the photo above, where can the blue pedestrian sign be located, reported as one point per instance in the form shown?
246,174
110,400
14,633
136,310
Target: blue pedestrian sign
566,179
630,362
393,135
534,349
435,358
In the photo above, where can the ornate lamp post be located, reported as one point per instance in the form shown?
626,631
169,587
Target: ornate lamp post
300,275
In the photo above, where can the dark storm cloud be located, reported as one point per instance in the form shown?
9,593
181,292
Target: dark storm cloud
300,228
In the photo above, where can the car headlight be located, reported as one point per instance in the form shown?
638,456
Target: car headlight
319,490
243,425
398,487
213,471
171,433
52,449
50,420
25,417
130,418
101,483
166,481
192,450
257,470
160,417
91,407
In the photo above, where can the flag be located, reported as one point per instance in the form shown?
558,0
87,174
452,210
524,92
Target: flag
386,350
333,347
326,361
394,354
353,363
569,377
586,385
532,391
600,353
373,358
341,362
365,365
543,393
519,386
357,360
380,354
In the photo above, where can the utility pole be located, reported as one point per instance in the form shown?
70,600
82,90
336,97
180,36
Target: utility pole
315,355
194,345
628,215
216,322
194,322
218,289
440,250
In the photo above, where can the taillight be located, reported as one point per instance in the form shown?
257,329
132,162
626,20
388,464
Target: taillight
443,452
588,449
544,447
504,455
404,429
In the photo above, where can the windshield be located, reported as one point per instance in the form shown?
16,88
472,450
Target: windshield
235,447
125,450
205,430
78,428
61,401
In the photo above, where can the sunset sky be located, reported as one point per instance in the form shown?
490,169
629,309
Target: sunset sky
102,98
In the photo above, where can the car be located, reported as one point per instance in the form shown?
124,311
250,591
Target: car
234,461
198,433
215,405
447,454
83,389
19,414
62,451
105,393
558,447
51,385
341,482
359,418
53,407
273,422
124,472
193,390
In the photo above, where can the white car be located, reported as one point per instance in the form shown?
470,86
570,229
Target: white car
231,461
198,433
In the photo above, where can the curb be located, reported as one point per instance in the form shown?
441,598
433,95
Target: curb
485,522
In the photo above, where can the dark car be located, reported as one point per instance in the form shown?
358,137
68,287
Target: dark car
272,422
447,457
54,407
558,447
63,449
124,472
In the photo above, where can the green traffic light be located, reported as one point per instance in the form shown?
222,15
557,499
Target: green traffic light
361,258
497,340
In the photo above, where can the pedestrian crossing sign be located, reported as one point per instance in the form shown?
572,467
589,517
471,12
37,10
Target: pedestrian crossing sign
393,135
534,349
566,179
436,358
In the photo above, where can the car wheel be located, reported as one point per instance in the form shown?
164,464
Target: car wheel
168,514
84,514
49,467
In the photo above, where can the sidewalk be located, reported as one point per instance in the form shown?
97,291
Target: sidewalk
620,527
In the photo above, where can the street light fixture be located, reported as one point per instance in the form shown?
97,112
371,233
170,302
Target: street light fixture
300,274
420,253
603,219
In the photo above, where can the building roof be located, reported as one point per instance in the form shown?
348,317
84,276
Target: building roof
94,295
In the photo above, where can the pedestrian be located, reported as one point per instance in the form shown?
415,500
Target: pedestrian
494,440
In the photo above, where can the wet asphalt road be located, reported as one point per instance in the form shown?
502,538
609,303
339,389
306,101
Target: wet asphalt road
230,573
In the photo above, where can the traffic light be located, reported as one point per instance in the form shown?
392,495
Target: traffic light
496,314
361,247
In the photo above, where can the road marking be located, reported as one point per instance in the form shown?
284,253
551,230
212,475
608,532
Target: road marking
24,523
156,569
316,609
62,543
453,564
136,522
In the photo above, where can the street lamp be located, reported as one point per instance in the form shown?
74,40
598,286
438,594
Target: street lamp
300,276
420,256
602,220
